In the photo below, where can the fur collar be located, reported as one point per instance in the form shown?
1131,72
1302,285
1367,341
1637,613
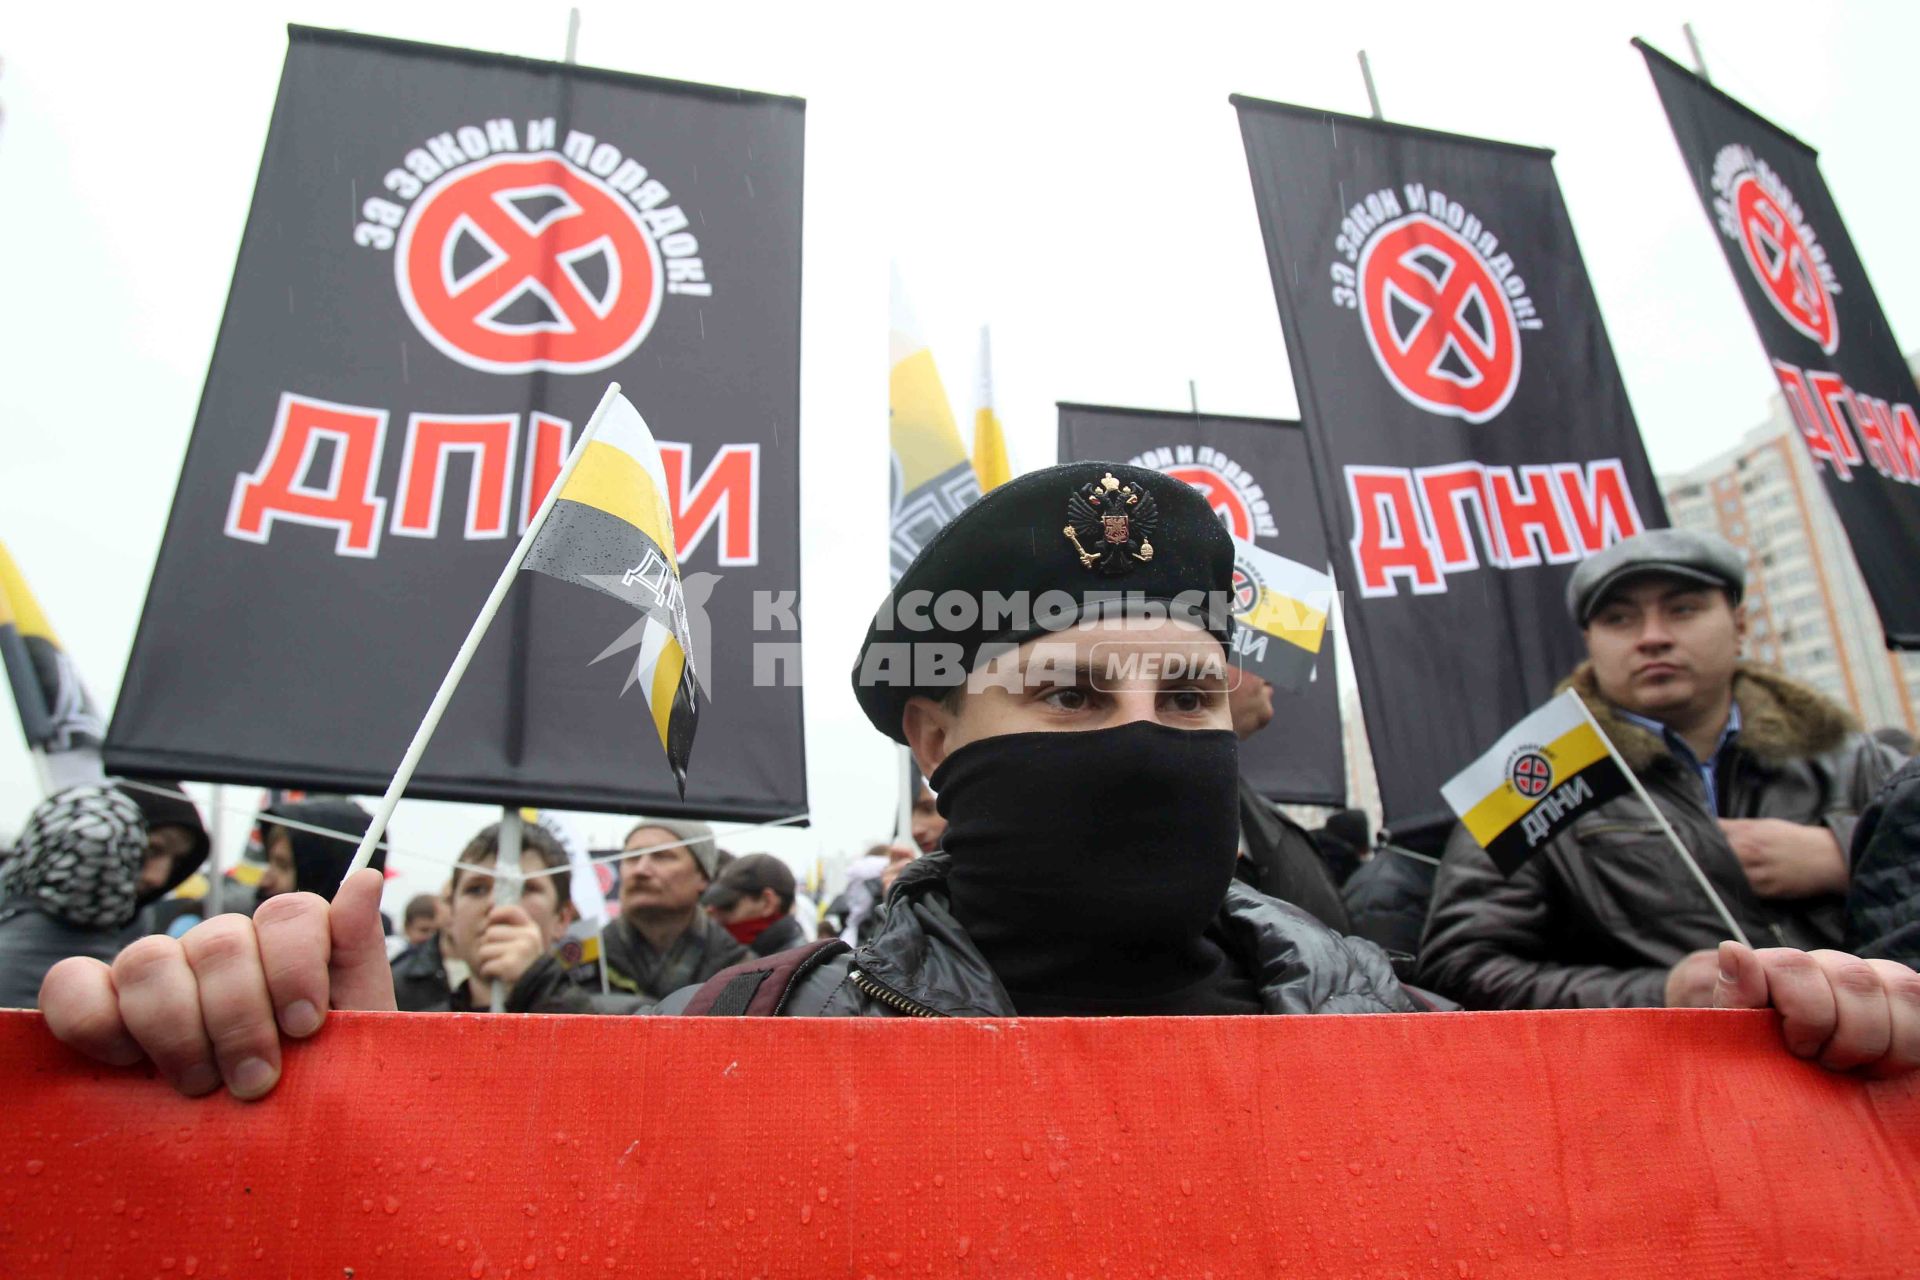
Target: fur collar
1780,719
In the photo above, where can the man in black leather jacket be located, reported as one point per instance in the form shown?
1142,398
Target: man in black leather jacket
1761,777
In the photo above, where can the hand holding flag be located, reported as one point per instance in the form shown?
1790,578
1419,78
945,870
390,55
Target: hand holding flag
616,508
1545,773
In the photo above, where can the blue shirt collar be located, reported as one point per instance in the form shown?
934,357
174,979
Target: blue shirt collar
1673,739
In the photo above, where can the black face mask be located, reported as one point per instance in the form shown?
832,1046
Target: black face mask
1087,866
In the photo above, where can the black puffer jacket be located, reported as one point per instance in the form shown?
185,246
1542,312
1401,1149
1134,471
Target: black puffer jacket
1606,908
1282,862
1387,898
923,964
1883,904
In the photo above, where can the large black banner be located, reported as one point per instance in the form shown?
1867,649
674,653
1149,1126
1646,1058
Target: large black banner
1840,371
1254,472
1469,433
448,257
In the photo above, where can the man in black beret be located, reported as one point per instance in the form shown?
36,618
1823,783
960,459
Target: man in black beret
1056,659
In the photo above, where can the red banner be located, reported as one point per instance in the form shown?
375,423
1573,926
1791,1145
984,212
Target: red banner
1572,1144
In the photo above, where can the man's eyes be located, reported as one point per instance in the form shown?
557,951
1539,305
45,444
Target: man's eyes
1192,700
1068,699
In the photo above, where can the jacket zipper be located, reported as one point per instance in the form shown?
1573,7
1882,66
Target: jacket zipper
888,996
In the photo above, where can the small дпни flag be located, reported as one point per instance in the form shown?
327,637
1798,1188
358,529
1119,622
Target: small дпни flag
1546,771
611,529
1281,607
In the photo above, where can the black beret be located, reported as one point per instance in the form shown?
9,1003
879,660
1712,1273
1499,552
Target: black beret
1036,555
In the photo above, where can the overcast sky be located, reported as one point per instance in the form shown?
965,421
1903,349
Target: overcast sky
1071,173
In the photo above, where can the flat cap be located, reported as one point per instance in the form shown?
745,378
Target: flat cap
1036,555
1684,553
749,877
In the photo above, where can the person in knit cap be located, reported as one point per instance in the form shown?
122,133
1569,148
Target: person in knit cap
662,941
70,888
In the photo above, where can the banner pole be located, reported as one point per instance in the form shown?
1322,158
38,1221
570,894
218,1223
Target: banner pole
1693,43
903,820
507,884
1673,837
415,749
1373,98
1193,396
573,36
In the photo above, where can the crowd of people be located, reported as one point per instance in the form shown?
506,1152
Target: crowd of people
1085,847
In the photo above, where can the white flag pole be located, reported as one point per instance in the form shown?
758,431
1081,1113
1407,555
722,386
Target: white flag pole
364,854
1673,837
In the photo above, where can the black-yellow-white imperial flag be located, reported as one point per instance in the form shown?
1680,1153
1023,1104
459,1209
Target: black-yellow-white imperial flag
611,529
1548,770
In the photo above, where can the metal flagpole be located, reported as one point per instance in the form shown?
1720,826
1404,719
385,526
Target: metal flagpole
507,883
1673,837
1366,73
1693,43
1193,396
415,749
903,820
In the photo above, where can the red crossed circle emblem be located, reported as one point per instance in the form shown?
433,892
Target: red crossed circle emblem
1220,495
1246,589
526,262
1437,320
1531,775
1784,264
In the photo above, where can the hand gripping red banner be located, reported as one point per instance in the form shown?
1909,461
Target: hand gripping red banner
1576,1144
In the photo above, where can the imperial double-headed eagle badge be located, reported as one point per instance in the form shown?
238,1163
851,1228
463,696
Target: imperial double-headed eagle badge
1111,525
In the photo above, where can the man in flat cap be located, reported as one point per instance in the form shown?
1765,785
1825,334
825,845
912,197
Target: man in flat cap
1761,777
1056,659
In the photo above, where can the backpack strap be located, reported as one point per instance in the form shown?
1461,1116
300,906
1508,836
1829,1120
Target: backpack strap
758,988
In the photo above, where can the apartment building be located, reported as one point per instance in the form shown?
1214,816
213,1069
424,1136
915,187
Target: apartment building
1808,609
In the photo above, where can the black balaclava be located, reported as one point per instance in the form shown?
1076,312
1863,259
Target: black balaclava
1087,866
320,861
